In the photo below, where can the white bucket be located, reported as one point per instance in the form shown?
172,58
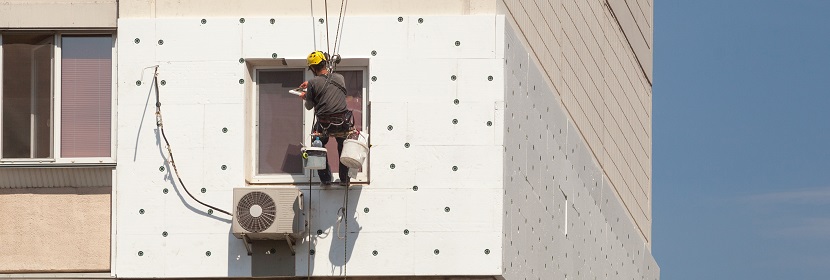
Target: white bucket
354,152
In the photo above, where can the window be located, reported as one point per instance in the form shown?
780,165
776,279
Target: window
281,125
56,98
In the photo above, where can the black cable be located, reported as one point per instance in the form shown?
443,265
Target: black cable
170,152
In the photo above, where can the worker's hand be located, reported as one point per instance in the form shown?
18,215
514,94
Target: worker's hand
302,95
304,85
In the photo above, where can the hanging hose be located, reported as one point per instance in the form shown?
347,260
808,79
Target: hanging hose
172,162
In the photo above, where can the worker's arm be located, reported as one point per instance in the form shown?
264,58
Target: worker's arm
309,102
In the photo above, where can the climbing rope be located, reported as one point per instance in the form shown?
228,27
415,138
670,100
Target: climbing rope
343,211
346,234
328,42
313,25
308,226
341,21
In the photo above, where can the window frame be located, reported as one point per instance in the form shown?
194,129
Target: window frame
252,153
55,141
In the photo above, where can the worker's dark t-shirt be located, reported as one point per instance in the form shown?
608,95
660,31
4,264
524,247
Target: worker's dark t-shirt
325,97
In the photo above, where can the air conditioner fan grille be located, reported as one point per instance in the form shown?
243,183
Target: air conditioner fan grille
264,211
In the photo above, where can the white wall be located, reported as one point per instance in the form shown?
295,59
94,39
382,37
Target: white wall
413,92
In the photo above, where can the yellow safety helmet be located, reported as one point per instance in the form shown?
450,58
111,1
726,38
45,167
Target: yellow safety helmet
316,57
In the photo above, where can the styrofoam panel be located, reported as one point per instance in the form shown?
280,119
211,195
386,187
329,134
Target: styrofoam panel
593,180
288,37
413,80
435,37
557,119
582,198
560,210
232,176
438,128
564,258
215,195
130,221
392,44
386,208
381,172
134,55
651,267
426,210
131,94
394,255
639,260
389,121
459,253
136,127
128,92
547,175
474,83
186,256
182,129
434,164
224,148
517,152
500,36
189,217
151,262
201,83
473,121
499,123
187,39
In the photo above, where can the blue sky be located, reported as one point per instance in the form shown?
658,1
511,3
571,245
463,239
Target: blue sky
741,127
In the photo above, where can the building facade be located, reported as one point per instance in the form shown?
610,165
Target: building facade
509,139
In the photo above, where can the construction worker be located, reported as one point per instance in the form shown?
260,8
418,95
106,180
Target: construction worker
326,93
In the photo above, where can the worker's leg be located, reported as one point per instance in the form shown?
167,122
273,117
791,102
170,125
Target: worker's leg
325,174
344,170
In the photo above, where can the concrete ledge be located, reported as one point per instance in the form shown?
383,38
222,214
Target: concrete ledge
58,15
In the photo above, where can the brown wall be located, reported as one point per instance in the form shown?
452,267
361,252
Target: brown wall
55,229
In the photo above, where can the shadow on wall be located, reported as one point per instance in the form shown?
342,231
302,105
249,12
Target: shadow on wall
143,115
337,226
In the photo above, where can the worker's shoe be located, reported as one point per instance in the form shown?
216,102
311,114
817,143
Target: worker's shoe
325,184
344,183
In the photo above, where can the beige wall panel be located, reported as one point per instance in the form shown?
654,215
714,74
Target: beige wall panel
56,14
635,37
641,20
264,8
602,85
55,230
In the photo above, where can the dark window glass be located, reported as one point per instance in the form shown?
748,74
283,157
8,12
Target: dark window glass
27,95
354,100
279,123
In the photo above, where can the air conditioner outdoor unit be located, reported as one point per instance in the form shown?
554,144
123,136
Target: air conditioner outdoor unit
268,213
